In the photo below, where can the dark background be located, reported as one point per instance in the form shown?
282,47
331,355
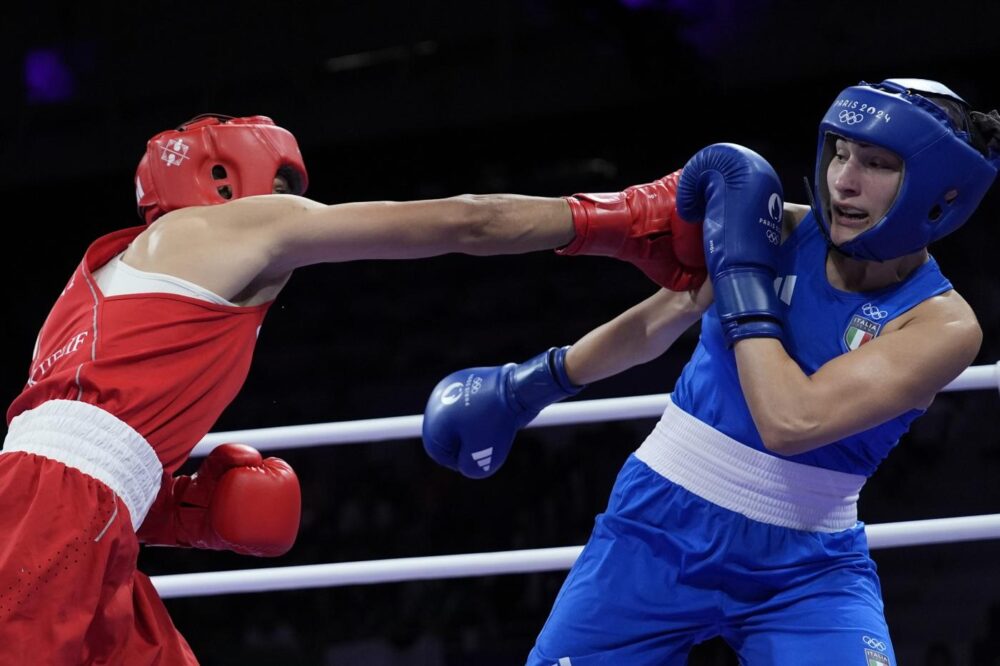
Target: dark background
395,100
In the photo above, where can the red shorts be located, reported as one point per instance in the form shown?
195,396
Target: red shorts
69,589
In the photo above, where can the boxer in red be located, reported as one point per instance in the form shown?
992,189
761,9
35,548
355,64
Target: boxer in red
152,338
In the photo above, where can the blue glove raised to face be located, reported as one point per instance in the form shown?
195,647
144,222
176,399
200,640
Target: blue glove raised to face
472,415
739,197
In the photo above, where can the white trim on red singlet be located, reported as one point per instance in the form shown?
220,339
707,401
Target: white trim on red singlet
116,278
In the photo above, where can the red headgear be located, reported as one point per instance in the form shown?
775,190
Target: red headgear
212,159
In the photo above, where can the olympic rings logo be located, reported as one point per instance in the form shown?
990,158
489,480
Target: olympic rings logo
873,312
850,117
874,643
773,237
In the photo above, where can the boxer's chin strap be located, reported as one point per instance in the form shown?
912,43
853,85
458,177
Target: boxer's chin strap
816,217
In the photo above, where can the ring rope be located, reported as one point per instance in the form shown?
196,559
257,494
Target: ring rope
886,535
567,413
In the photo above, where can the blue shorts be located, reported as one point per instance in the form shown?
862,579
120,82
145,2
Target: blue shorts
665,570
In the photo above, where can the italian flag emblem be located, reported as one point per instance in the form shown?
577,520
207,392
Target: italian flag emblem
873,658
860,331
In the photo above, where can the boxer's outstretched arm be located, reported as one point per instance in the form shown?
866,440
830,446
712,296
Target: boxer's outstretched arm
253,244
309,233
247,248
473,415
636,336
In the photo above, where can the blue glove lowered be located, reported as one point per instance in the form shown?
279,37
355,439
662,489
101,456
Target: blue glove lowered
739,197
472,415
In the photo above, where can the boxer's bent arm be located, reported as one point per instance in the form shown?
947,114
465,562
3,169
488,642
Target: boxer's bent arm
309,233
636,336
901,369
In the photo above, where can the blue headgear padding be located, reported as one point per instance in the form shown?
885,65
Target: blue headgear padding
937,159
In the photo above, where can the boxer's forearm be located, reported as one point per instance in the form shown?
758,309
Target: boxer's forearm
636,336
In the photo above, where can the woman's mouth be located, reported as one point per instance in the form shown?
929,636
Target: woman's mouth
849,216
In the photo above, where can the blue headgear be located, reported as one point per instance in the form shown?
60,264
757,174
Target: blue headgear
937,159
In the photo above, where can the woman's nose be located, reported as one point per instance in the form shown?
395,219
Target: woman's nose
846,179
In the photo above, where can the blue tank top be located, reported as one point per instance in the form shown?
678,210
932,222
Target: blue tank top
821,322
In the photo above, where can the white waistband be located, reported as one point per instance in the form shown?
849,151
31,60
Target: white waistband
89,439
760,486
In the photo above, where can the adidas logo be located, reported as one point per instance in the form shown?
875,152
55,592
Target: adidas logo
483,458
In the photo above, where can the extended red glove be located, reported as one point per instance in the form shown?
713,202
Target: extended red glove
235,501
641,226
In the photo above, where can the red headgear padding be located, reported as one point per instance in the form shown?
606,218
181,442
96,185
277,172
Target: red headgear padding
212,159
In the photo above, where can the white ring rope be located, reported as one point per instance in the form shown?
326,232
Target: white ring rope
888,535
582,411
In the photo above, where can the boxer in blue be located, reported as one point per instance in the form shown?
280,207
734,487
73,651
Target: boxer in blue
832,329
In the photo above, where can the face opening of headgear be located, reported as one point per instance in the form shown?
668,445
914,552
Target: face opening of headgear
939,160
215,158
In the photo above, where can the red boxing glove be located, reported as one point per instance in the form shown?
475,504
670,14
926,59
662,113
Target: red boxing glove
236,501
641,226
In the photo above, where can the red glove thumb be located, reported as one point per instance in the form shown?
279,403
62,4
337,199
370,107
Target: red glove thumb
197,489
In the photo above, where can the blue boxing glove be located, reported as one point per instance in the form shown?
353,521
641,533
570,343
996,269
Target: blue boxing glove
473,414
739,197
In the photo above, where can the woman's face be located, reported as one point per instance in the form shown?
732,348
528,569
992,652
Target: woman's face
863,181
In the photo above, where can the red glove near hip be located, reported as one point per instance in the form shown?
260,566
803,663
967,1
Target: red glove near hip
641,226
236,501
